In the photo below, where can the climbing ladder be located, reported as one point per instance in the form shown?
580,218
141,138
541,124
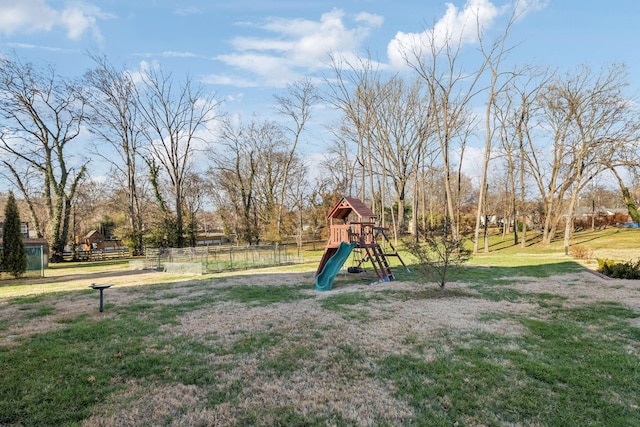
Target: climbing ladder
394,252
378,257
380,263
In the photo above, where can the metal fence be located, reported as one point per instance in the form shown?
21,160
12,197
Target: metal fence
35,262
222,258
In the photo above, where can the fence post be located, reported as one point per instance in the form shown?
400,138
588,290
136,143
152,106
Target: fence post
41,261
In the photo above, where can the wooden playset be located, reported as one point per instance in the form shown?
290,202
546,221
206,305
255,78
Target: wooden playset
352,223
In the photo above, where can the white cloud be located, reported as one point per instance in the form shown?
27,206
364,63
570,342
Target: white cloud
170,54
227,80
329,35
271,70
30,15
298,46
456,26
34,16
138,76
33,46
253,43
77,22
523,7
234,97
370,19
186,11
174,54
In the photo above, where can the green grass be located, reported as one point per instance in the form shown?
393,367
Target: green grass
32,299
57,377
289,360
566,362
573,367
615,238
505,293
344,305
504,252
479,273
265,295
507,263
67,268
571,370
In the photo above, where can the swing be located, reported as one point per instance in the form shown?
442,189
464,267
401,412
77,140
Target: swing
356,262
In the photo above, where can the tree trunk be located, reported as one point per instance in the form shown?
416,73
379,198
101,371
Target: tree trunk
628,200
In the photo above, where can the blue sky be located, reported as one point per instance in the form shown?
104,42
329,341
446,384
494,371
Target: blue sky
244,46
247,50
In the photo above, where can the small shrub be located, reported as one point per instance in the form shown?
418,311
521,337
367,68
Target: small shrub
440,256
580,252
604,263
629,270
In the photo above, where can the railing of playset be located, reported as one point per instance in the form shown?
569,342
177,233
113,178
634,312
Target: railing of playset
361,233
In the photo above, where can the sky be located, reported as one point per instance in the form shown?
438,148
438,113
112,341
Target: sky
248,50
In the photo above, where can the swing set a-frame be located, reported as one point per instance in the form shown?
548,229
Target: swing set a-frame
352,223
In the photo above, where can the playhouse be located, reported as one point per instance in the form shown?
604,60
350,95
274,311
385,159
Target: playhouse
352,226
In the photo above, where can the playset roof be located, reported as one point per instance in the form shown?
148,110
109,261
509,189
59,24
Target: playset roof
349,204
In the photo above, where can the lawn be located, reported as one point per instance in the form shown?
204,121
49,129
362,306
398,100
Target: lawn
524,336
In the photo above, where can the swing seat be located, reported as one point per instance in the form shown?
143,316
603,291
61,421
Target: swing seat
355,270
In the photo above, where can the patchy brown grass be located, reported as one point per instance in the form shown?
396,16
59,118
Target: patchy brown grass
156,404
330,351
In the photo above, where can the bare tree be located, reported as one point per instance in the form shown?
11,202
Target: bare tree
89,204
387,119
350,90
493,54
523,124
114,117
43,114
175,121
273,165
296,106
603,125
440,257
451,91
632,208
339,167
399,135
590,123
515,114
551,172
235,172
192,202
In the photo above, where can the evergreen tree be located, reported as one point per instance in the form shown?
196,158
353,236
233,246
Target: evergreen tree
15,257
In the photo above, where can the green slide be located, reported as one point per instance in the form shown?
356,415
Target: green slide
324,280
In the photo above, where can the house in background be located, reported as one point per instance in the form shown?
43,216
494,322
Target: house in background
98,242
93,246
24,229
94,240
